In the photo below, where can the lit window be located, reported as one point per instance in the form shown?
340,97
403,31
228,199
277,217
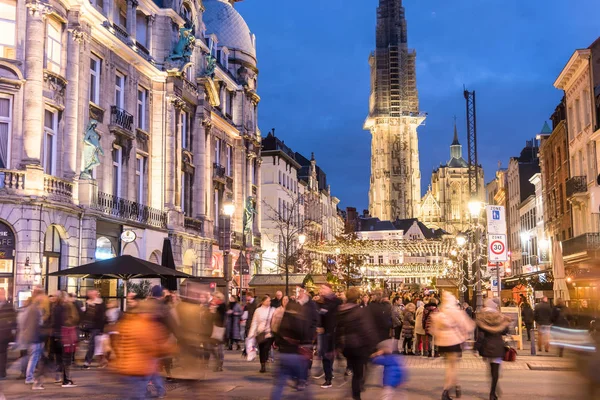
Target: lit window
53,45
186,193
5,130
8,25
50,131
95,64
141,111
140,177
120,91
117,154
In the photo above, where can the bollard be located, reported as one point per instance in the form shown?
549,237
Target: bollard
533,352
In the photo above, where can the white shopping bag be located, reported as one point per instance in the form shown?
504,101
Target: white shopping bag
99,344
251,348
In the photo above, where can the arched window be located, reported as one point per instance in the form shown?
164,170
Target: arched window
104,249
52,260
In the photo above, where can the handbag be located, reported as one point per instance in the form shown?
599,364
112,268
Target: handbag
510,355
218,333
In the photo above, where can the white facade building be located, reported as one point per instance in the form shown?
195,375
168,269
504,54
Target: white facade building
122,115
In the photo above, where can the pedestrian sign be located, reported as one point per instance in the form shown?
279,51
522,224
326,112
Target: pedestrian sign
496,220
497,248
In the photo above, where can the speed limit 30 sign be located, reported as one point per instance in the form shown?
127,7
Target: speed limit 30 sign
497,248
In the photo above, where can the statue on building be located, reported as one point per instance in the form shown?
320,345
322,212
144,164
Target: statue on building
242,76
92,150
211,64
249,213
184,47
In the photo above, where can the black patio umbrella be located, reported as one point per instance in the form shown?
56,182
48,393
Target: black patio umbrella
121,267
169,282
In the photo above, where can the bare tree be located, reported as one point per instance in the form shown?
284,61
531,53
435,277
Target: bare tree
347,266
283,226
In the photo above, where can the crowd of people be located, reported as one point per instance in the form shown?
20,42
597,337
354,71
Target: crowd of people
197,325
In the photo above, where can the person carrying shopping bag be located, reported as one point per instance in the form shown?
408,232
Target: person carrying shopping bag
451,327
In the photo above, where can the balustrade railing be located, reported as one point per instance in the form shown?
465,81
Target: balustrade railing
130,210
121,32
121,118
218,171
12,179
581,244
195,224
576,184
58,187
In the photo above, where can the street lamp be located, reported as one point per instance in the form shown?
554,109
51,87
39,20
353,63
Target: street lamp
228,210
475,208
461,240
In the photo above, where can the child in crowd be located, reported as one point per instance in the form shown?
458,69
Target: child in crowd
394,373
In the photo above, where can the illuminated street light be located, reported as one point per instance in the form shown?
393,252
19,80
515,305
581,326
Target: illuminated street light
475,208
337,251
453,253
228,209
461,239
525,236
544,244
301,239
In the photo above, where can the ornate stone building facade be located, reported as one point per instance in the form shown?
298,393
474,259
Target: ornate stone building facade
122,115
394,116
446,203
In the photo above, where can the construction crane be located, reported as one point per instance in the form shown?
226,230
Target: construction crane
472,143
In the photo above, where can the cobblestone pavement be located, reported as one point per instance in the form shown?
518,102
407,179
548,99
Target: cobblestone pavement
240,380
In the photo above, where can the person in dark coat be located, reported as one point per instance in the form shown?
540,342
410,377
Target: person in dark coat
249,309
328,310
310,315
356,337
95,317
408,329
381,315
234,314
8,322
276,301
218,311
560,318
527,315
543,318
428,311
491,326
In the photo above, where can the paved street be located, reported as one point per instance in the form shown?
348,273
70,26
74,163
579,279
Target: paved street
241,380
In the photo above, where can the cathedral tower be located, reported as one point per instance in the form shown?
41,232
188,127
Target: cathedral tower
393,119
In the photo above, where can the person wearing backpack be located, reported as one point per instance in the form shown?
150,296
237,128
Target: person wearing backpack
491,326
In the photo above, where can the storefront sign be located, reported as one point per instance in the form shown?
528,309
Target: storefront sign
7,242
128,236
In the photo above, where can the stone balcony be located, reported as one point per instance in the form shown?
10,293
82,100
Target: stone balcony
58,189
29,182
129,210
576,185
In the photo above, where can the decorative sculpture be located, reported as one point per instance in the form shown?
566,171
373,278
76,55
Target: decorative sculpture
211,64
92,150
249,213
184,47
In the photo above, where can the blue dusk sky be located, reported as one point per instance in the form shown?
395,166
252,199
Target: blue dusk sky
314,75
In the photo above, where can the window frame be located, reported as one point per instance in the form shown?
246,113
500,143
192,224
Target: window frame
53,133
141,162
141,108
13,22
184,129
120,90
9,122
118,164
95,76
228,159
53,44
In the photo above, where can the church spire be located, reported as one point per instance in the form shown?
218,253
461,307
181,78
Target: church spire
455,141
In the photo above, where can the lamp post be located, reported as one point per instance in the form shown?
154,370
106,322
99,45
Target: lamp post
461,240
228,210
475,208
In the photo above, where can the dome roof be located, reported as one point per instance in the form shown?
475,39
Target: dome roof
221,19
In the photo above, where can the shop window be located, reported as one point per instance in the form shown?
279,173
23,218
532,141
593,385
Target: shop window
52,260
